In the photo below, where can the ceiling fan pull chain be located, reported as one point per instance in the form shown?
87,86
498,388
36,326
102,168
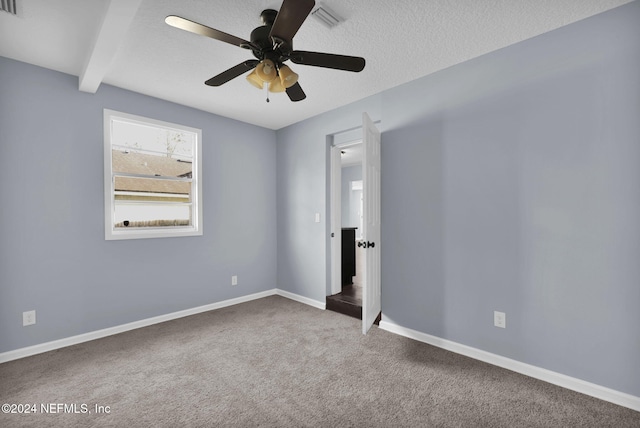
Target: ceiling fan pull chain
266,90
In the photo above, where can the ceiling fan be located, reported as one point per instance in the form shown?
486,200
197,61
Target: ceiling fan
272,45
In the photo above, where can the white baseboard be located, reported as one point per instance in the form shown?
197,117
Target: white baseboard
74,340
301,299
81,338
578,385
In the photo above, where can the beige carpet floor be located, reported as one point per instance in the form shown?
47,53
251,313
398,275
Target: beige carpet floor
274,362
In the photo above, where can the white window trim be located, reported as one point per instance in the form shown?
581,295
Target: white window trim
110,232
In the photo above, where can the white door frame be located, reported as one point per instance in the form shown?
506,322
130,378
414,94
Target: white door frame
336,221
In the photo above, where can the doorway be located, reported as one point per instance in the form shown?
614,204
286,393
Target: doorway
347,211
370,308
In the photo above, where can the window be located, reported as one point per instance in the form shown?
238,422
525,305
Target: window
152,178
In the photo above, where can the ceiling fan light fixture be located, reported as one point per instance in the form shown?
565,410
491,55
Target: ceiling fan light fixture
255,80
276,86
266,70
288,78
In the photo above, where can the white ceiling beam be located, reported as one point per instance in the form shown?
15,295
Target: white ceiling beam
116,22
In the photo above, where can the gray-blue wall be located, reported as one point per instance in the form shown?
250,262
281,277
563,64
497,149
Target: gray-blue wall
53,255
525,165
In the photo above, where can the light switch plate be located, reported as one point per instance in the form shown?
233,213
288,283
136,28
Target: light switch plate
499,319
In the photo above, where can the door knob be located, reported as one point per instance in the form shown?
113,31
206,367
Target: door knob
371,244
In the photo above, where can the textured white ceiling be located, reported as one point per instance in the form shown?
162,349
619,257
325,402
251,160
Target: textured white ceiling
401,40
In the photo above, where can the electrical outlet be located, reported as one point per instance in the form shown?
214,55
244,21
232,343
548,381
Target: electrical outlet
28,318
499,319
234,280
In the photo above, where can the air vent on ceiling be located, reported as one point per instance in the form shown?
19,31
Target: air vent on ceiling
8,6
326,16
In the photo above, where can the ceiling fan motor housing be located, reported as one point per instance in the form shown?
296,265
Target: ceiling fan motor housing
275,50
268,16
260,37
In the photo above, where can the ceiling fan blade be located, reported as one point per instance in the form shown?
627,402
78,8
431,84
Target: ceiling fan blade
203,30
289,19
318,59
232,73
296,93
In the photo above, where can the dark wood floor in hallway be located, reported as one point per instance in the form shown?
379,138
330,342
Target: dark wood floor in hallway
347,302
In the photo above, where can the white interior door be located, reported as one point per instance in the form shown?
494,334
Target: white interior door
336,221
371,222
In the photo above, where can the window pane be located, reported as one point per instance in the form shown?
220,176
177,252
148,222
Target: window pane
148,202
151,150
